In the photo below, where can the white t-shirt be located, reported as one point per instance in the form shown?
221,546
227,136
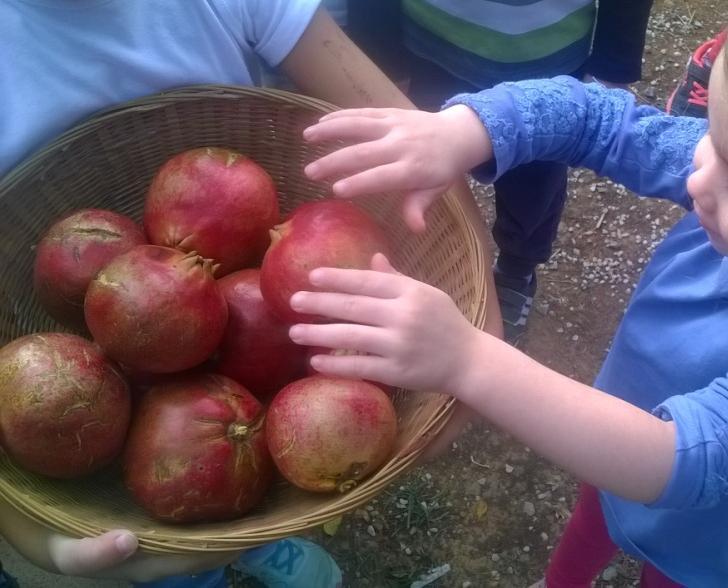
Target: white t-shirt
63,60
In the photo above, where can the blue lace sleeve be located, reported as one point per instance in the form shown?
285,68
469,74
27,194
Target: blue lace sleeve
587,125
698,477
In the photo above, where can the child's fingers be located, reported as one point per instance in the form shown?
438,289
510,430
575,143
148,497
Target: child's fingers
364,112
380,263
360,282
365,367
349,128
359,338
415,205
349,160
345,307
79,557
385,178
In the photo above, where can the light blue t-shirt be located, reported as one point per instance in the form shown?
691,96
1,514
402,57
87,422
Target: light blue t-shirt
63,60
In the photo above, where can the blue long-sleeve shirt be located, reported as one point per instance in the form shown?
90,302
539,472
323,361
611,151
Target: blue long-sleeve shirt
670,353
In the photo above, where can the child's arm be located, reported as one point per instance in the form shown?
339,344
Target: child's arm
417,339
111,555
556,120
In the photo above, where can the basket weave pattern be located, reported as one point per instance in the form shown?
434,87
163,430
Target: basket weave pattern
108,162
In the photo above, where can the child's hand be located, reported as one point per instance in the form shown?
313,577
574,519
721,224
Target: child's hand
111,555
418,153
414,335
115,555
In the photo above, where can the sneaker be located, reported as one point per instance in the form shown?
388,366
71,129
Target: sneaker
690,98
515,296
290,563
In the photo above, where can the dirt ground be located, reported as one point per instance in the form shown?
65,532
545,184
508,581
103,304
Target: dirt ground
489,512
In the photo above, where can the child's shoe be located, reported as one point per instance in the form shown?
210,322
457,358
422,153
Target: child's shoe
290,563
515,296
690,98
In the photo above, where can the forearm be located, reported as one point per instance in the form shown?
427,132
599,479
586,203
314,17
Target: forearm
587,126
597,437
326,64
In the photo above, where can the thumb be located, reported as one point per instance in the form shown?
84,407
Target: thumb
80,557
416,204
380,263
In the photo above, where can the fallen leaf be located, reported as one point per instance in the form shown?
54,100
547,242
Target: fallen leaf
332,526
480,508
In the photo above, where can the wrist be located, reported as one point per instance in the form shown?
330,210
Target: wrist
466,377
470,139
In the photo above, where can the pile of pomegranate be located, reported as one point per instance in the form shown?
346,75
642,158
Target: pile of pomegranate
182,367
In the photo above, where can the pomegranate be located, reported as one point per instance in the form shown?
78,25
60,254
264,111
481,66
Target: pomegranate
156,309
72,252
65,407
256,350
328,433
196,451
331,233
214,201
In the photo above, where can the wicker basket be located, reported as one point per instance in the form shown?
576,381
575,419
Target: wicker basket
108,162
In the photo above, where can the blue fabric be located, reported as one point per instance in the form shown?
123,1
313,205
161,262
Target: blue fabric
212,579
66,59
670,353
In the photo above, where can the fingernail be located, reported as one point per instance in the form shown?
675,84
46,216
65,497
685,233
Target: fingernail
339,189
310,170
314,277
295,301
294,332
126,543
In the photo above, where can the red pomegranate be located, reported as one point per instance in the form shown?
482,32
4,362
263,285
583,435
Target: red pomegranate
156,309
64,408
328,433
256,350
214,201
196,451
332,233
72,252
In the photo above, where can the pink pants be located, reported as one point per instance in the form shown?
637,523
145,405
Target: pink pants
586,549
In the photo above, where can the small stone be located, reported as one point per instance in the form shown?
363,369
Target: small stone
509,469
609,574
529,508
371,531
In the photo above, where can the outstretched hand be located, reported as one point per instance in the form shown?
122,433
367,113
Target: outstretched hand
420,154
408,334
